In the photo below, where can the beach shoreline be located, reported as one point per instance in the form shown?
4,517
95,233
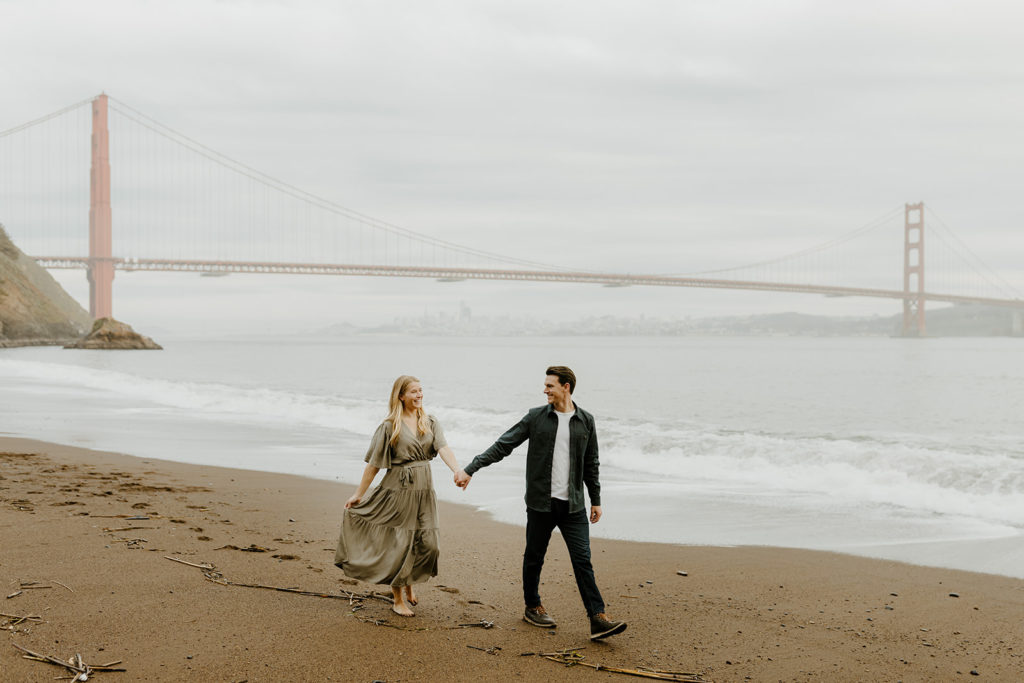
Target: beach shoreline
749,454
739,613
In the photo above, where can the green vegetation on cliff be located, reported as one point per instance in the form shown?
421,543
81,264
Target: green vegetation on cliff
34,308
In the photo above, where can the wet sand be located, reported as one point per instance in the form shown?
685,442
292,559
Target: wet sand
744,613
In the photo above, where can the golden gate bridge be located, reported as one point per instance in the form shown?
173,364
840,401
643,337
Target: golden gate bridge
226,217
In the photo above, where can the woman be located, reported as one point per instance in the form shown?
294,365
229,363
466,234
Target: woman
390,537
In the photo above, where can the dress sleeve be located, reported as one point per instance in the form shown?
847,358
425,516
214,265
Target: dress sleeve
379,453
439,440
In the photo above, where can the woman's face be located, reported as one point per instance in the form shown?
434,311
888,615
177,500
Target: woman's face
412,399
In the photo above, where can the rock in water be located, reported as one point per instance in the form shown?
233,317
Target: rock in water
108,333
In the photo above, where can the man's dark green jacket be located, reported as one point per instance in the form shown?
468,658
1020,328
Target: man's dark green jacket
540,426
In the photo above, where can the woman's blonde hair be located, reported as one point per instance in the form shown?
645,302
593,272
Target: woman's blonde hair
395,409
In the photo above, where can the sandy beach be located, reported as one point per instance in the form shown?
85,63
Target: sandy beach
98,583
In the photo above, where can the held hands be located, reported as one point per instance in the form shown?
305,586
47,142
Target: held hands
595,513
462,479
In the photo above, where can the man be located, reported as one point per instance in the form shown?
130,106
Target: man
561,458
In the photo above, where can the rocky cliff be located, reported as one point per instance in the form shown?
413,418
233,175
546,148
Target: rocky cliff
34,309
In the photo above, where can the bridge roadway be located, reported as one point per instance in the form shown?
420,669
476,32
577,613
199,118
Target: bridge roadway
454,274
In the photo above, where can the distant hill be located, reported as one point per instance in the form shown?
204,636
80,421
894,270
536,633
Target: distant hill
975,321
948,321
34,309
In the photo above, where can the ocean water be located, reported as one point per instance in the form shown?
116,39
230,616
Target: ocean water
899,448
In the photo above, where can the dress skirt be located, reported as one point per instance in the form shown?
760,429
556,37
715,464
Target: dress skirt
391,536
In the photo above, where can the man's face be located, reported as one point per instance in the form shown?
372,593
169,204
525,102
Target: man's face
556,393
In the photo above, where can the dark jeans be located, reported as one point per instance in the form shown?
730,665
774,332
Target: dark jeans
575,528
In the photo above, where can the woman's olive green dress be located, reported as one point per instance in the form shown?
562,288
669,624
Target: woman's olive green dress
391,536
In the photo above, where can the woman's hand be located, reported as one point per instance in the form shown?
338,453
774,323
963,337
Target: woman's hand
369,472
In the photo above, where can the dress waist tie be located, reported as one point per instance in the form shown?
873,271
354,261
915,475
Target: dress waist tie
404,473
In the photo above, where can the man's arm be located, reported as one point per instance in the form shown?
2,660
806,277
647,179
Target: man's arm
505,444
591,475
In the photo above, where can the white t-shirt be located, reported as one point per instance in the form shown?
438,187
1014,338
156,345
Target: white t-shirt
560,458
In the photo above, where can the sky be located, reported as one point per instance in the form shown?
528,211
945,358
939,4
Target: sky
647,137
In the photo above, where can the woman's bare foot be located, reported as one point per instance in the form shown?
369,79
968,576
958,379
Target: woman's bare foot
402,609
410,597
398,605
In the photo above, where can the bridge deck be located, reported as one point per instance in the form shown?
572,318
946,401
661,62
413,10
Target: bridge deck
452,274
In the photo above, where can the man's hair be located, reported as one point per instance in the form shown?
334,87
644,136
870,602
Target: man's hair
564,375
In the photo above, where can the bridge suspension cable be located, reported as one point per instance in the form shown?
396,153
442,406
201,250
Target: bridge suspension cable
309,198
44,119
845,237
967,256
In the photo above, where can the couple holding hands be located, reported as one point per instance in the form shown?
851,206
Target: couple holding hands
391,535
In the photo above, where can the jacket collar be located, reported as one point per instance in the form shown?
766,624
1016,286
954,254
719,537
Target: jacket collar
551,408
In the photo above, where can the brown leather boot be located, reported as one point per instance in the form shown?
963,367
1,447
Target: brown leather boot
538,616
602,627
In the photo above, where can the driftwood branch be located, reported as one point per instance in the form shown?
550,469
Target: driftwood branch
51,660
191,564
351,597
385,622
210,573
573,657
477,624
75,665
13,620
566,651
213,575
30,617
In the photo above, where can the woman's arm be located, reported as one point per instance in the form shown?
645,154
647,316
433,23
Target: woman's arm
448,455
368,474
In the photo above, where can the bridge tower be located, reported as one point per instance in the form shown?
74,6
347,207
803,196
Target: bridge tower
913,270
101,263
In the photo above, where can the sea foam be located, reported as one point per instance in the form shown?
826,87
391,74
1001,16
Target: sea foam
894,474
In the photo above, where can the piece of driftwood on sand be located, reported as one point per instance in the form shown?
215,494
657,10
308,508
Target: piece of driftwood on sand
212,574
572,657
75,665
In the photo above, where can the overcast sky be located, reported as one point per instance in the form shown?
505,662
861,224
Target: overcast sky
640,136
